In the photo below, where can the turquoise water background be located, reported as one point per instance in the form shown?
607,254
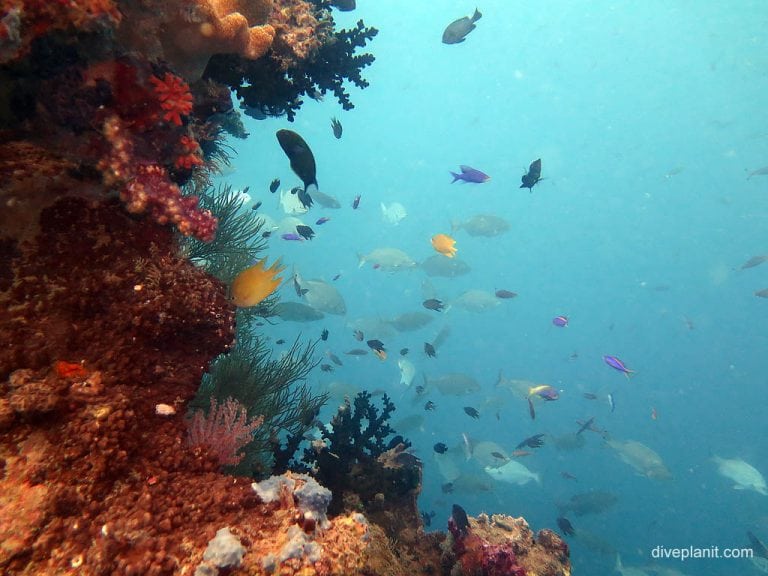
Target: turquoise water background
648,117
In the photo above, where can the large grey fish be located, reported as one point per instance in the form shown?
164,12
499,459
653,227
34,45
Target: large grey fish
458,29
297,312
482,225
301,157
325,200
594,502
439,265
321,295
410,321
643,459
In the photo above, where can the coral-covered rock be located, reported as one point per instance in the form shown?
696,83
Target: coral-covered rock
500,545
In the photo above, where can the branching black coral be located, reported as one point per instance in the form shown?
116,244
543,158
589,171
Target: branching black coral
355,439
263,85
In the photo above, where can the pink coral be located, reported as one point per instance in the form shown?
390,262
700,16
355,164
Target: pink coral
225,430
146,187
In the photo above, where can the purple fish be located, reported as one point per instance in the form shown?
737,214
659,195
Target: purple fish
291,236
469,174
561,321
617,364
322,220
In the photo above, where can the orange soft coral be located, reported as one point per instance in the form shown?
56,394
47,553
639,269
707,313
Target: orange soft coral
192,36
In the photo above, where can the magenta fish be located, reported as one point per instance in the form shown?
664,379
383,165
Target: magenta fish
291,236
561,321
356,202
469,174
322,220
617,364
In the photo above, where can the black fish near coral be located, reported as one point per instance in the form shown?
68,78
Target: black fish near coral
337,128
533,176
457,30
565,525
300,155
460,519
429,350
343,5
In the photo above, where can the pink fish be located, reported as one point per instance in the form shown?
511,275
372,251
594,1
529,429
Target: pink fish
291,236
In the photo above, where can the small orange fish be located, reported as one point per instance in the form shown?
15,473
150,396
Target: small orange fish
444,244
69,369
256,283
520,453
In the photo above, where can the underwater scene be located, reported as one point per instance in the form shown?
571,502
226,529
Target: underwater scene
340,287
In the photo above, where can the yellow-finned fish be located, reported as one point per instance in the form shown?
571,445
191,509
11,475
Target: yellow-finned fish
255,283
444,244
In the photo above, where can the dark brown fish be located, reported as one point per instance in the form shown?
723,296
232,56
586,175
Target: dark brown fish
356,352
337,128
754,261
590,396
586,425
305,232
433,304
378,348
533,176
565,525
429,405
759,172
326,367
457,30
499,456
403,351
300,155
460,519
472,412
534,441
274,185
429,350
505,294
343,5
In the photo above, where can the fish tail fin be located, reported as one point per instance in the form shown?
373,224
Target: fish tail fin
477,15
455,177
629,373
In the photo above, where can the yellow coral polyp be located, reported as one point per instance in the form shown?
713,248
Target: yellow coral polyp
256,283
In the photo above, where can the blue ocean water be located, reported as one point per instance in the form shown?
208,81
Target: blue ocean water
648,117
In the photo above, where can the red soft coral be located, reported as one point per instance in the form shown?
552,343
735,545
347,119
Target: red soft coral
175,98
